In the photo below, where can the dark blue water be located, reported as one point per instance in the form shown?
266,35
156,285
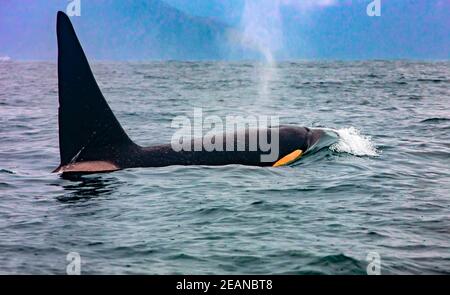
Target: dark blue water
384,187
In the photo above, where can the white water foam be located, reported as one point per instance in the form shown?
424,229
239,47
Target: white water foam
5,58
353,142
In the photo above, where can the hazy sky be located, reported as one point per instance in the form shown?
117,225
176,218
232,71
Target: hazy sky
339,28
277,29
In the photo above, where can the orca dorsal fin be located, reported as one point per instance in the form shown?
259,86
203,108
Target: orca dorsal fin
86,122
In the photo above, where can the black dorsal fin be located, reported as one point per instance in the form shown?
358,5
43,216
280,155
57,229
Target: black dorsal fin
86,122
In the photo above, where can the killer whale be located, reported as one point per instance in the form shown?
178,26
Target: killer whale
91,138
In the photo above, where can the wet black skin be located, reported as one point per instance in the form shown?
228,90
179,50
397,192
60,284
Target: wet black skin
89,131
128,156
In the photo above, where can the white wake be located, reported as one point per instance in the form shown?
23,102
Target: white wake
353,142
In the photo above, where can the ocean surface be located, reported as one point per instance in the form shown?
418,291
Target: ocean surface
383,188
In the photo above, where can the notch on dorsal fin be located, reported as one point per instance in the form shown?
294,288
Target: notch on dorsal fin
86,122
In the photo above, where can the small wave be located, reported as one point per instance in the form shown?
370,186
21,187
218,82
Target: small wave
353,142
4,58
6,171
338,264
435,120
431,80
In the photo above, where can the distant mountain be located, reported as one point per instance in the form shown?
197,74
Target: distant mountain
110,29
153,29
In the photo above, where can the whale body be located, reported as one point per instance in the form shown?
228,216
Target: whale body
91,138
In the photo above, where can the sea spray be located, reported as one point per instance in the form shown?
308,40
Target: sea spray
261,32
353,142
